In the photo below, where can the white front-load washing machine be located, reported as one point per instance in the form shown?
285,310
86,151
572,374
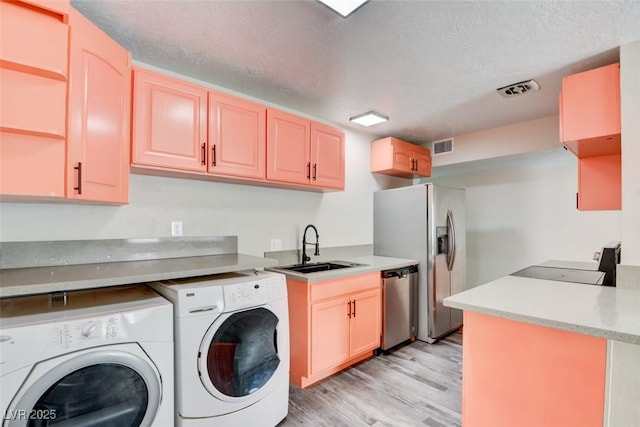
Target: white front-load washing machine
100,357
232,348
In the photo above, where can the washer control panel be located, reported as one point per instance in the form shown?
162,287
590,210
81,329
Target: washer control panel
80,333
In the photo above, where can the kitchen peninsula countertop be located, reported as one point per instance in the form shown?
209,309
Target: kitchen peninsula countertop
602,311
371,263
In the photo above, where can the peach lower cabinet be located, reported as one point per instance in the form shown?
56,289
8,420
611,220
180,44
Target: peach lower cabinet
333,324
538,353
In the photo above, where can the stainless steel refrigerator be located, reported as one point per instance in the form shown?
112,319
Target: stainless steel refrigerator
426,222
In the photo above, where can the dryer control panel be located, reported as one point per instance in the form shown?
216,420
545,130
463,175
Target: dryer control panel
258,291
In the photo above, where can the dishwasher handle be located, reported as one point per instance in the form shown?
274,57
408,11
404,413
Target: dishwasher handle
399,272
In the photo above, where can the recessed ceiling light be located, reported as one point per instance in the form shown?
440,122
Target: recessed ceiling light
369,119
344,7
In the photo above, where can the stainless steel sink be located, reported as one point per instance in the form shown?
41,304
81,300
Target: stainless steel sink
320,266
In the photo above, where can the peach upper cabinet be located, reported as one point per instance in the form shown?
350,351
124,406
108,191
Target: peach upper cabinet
180,126
169,122
589,108
99,115
42,98
303,152
392,156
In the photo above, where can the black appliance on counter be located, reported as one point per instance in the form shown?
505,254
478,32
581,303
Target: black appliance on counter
608,258
566,271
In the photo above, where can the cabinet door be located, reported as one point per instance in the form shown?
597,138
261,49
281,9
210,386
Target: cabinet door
591,104
402,156
329,333
600,183
422,157
288,153
99,115
169,122
365,322
237,136
327,156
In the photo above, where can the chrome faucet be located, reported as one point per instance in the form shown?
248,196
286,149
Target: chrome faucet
305,257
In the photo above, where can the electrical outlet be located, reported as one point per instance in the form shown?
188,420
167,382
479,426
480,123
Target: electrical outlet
176,228
276,244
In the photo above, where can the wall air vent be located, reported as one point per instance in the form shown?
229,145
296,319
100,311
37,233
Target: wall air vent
443,146
519,88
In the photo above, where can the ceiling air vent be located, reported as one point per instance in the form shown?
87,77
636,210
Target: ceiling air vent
520,88
442,147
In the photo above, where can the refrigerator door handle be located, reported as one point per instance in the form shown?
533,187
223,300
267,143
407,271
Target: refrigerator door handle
451,255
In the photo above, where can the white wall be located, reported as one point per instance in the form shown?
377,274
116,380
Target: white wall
255,214
630,122
533,135
524,212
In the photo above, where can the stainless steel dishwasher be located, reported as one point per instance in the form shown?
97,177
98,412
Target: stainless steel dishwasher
399,305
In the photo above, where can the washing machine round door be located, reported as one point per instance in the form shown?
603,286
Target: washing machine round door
239,354
100,388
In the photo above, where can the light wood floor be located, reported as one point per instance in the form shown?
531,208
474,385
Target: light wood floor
417,384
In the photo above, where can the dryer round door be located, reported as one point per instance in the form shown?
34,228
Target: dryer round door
239,356
101,387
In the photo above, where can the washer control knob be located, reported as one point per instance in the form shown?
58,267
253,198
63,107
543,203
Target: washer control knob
89,329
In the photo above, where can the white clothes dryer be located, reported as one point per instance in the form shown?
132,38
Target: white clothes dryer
100,357
231,348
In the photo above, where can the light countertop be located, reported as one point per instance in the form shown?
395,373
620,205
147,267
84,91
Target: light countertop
608,312
37,280
371,263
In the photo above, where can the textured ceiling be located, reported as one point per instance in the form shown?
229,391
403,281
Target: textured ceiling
431,66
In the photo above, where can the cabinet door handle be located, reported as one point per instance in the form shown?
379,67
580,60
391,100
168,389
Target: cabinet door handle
308,170
354,308
79,169
349,305
315,170
416,165
213,152
204,154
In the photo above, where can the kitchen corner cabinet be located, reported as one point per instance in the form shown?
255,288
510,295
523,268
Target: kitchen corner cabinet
99,115
333,324
589,107
392,156
303,152
169,122
65,106
33,76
